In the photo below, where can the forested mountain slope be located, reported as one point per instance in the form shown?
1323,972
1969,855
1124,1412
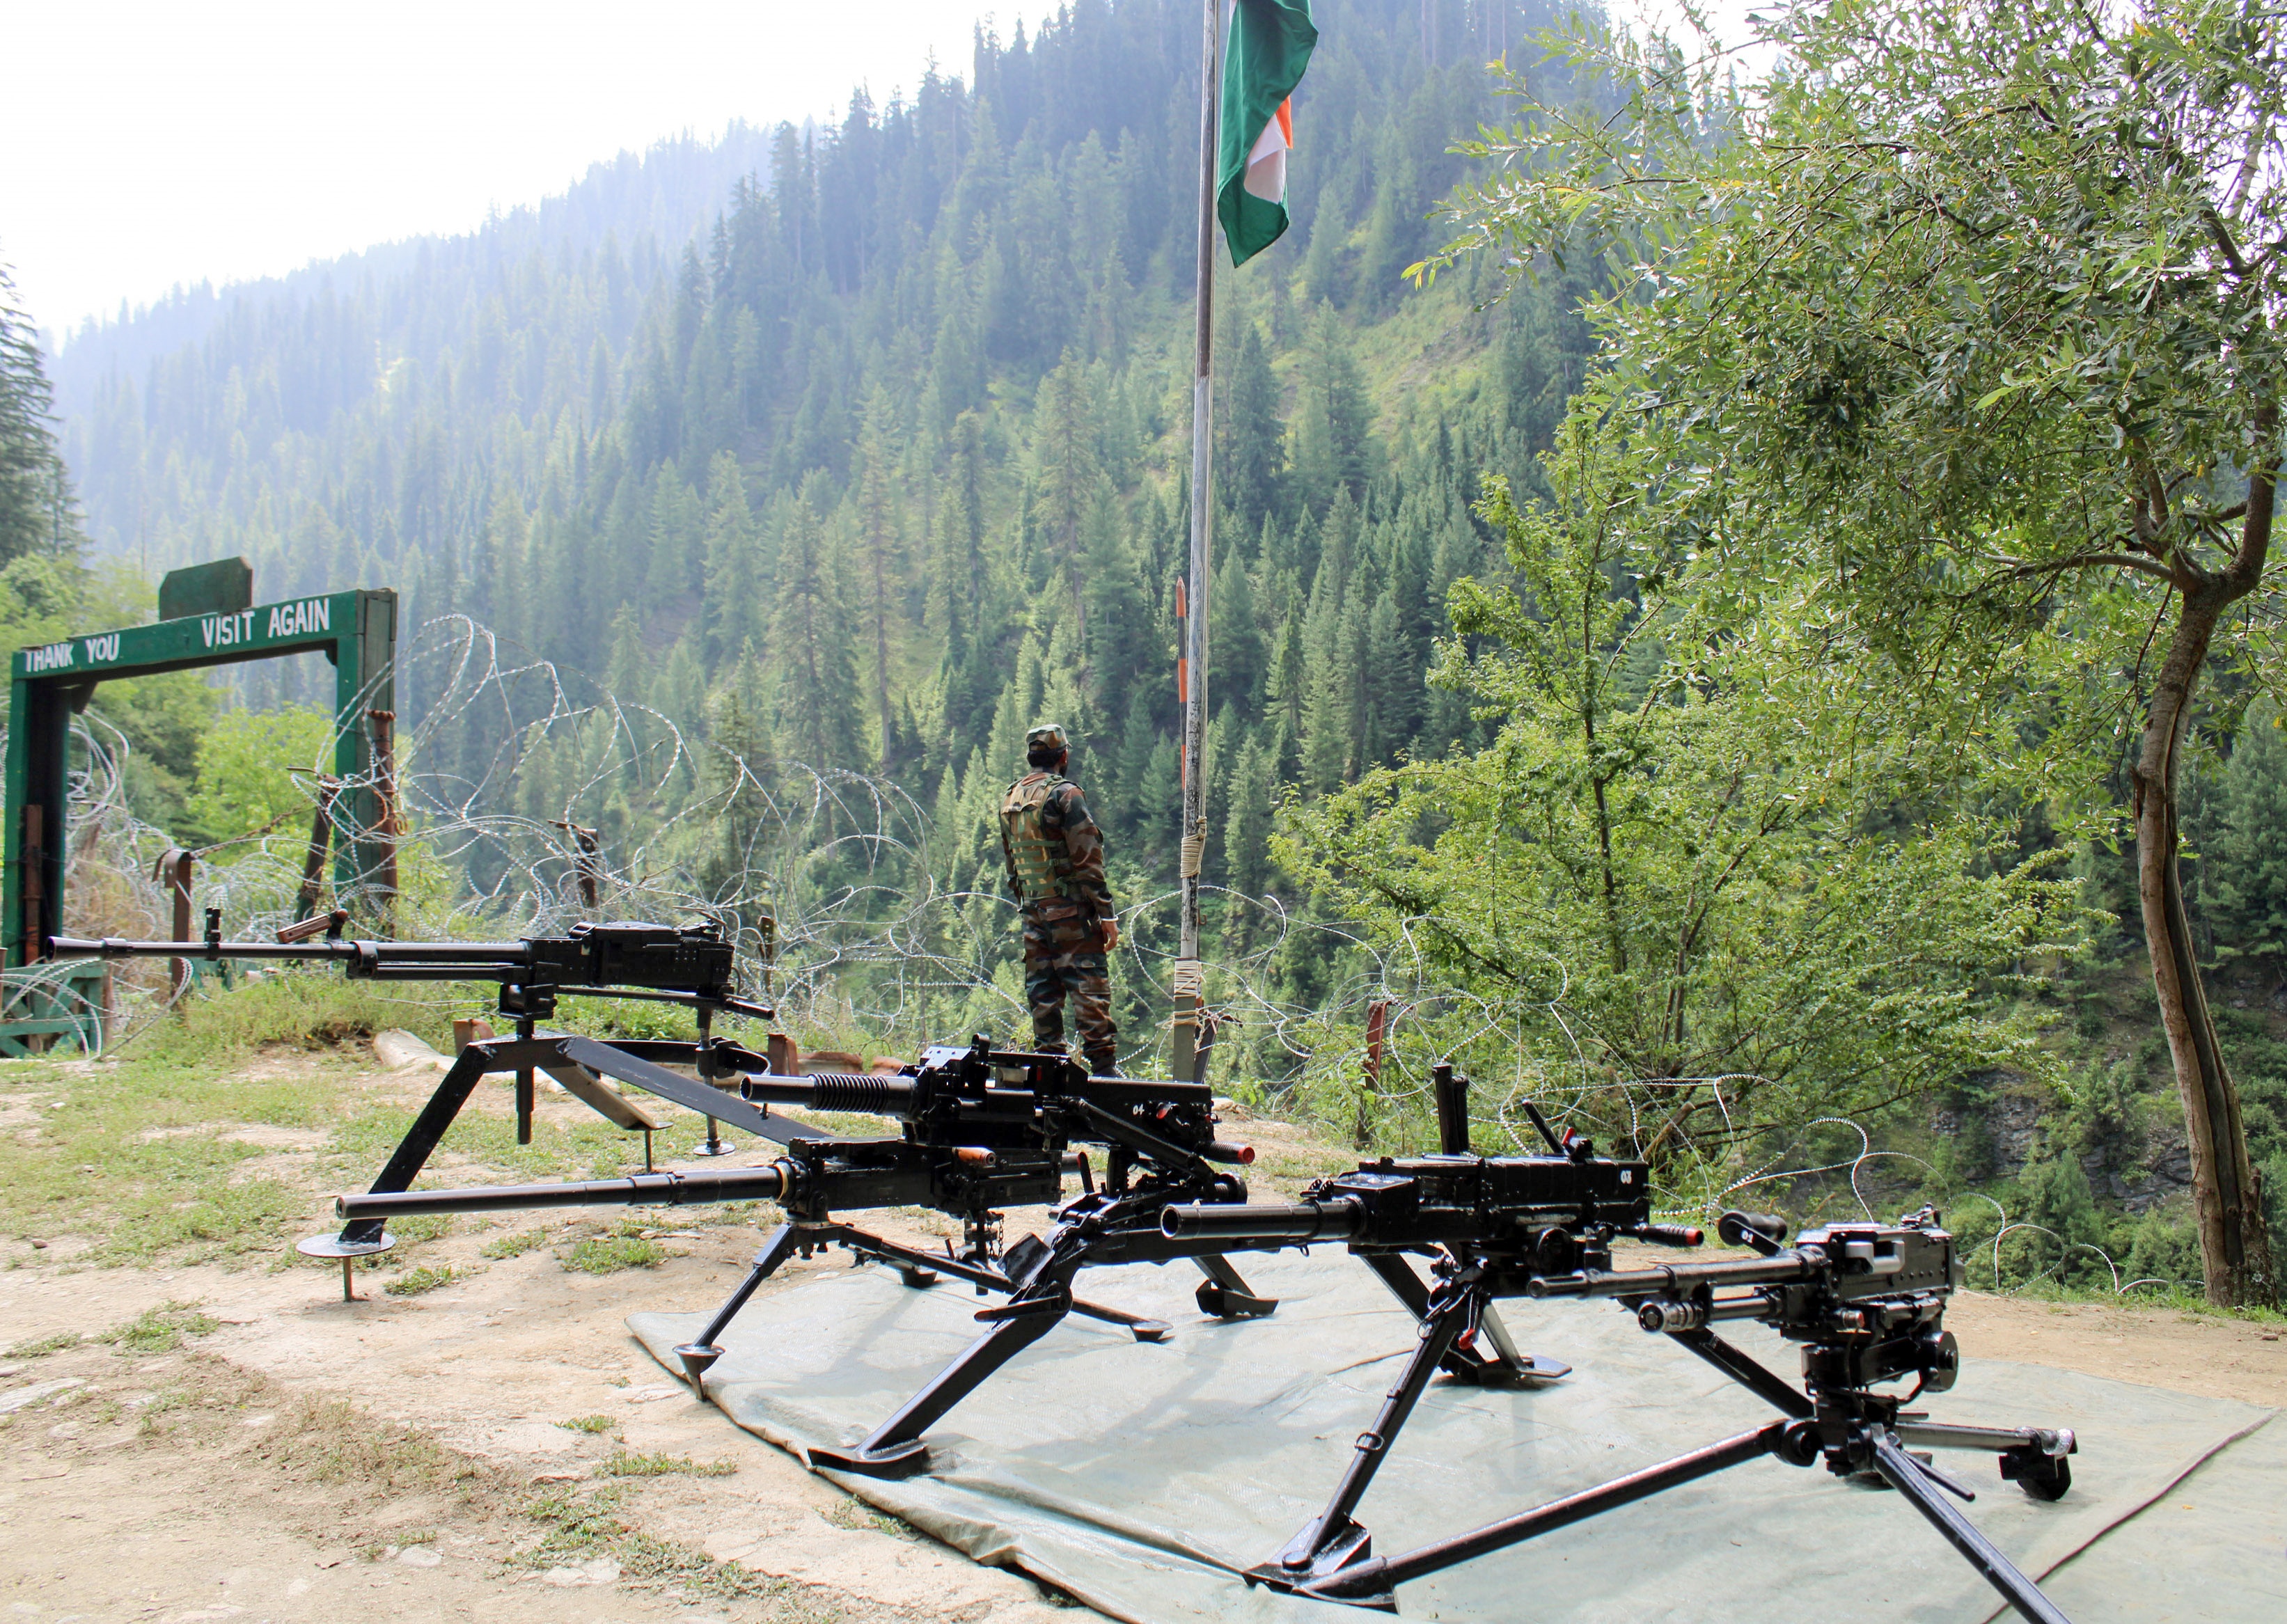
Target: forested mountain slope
896,446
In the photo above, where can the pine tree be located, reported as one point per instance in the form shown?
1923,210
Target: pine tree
37,511
880,557
1063,446
1334,430
1247,830
1251,450
731,564
811,649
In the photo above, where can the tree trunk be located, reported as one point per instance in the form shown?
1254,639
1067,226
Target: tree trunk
2226,1191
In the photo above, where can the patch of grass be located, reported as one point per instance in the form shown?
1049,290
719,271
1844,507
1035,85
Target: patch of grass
628,1244
314,1009
609,1254
582,1528
161,1329
2180,1299
852,1512
413,1282
590,1424
40,1347
516,1245
331,1441
101,1162
622,1463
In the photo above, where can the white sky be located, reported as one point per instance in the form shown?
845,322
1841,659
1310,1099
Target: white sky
146,146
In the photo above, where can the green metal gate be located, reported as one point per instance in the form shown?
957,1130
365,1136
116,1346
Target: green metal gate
357,631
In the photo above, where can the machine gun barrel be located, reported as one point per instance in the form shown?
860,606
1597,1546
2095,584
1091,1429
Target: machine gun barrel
631,960
637,1190
1667,1280
117,947
1336,1220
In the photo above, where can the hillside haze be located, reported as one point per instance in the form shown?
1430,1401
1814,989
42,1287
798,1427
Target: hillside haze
889,455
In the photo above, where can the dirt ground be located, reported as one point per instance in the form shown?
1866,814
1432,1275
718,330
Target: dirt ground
223,1479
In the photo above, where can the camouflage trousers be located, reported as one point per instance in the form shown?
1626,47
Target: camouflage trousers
1064,953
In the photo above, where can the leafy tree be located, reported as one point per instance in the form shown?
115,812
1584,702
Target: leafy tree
1666,892
1970,313
246,764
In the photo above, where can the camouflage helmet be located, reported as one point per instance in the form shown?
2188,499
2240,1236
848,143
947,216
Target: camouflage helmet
1047,739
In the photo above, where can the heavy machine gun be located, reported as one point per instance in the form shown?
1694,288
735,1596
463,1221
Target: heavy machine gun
982,1129
693,967
1492,1226
1864,1301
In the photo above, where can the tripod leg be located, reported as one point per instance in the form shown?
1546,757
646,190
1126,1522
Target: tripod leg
1465,1364
1332,1540
922,1268
1763,1383
1904,1474
894,1449
452,1090
1224,1293
697,1356
1373,1581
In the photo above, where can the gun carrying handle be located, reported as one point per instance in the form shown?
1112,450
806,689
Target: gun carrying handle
1765,1232
1451,1094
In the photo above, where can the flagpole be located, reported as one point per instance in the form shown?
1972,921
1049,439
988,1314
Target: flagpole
1188,982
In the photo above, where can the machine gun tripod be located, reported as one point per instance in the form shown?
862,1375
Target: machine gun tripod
984,1128
694,968
1866,1301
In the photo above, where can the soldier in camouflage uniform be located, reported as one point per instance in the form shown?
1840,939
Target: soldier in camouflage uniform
1055,854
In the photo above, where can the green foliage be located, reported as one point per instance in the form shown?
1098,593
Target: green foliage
590,1424
40,1347
413,1282
609,1254
37,513
516,1245
1955,331
245,761
161,1329
1674,880
622,1463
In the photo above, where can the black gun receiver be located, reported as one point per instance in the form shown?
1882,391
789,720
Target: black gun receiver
1866,1301
1539,1212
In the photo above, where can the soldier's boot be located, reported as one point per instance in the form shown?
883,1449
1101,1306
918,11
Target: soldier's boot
1102,1063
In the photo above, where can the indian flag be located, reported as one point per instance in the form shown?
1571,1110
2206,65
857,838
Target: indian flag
1268,45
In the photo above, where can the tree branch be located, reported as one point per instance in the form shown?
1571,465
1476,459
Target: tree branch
2087,560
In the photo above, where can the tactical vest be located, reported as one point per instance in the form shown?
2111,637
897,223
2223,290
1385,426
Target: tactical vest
1043,866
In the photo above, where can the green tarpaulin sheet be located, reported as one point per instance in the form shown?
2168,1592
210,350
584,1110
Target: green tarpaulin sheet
1141,1478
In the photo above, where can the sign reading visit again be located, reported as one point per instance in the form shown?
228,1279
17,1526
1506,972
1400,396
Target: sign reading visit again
216,623
267,629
